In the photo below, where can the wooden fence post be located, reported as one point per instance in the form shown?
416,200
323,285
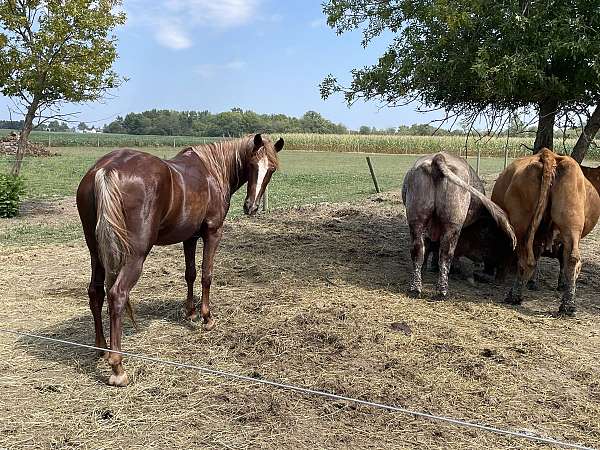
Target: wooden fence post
373,175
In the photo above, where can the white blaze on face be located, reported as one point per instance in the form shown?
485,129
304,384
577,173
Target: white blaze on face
263,166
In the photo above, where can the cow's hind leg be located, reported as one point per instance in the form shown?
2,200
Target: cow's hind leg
526,266
571,266
417,254
448,243
118,298
96,294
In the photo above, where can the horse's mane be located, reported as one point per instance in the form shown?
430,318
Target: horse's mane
225,159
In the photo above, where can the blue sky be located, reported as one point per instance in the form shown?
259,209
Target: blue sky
264,55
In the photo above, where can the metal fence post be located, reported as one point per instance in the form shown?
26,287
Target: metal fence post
373,175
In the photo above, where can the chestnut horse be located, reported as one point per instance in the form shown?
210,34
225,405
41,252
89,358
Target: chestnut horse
130,201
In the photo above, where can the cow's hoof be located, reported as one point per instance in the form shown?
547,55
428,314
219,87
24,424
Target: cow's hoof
482,277
210,324
118,380
413,293
566,310
440,296
533,285
513,300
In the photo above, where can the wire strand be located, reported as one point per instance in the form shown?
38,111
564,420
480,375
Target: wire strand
314,392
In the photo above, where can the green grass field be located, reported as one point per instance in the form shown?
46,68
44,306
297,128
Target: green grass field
304,177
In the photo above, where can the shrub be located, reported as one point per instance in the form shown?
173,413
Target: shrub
11,190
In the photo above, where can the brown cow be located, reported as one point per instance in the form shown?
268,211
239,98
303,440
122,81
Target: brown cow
593,176
546,197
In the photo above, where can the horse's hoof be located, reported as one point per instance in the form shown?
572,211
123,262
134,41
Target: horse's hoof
193,316
533,285
118,380
104,354
413,293
210,324
561,287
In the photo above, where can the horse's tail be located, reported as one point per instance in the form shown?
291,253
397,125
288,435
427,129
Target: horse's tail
548,174
112,237
439,164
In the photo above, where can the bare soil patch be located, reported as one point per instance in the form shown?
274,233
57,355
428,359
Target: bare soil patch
313,296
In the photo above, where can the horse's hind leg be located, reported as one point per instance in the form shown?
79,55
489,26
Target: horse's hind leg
96,295
211,238
118,298
189,251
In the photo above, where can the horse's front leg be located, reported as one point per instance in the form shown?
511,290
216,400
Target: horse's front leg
211,238
189,251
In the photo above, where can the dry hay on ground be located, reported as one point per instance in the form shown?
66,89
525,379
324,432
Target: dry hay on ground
8,146
313,296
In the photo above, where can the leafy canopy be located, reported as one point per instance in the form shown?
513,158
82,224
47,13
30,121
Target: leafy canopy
54,51
469,55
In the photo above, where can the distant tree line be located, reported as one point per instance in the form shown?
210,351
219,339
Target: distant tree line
54,125
230,123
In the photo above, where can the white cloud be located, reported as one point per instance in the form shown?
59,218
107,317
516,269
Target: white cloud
223,13
173,22
172,36
210,70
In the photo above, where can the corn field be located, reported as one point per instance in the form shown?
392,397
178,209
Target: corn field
423,144
390,144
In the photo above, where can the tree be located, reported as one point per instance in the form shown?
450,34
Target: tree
476,57
56,51
82,126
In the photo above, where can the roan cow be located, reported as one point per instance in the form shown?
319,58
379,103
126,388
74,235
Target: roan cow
443,194
547,198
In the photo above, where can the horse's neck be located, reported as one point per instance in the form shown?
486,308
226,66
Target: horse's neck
229,169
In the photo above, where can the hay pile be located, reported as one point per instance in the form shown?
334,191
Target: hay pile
8,146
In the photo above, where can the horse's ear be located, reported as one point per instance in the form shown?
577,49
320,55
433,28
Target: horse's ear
258,141
279,144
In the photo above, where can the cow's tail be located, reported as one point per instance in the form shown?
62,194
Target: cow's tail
548,174
439,164
112,237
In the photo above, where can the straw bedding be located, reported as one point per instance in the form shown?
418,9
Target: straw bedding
313,296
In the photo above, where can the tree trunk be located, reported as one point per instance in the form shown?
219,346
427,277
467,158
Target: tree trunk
23,138
544,137
587,136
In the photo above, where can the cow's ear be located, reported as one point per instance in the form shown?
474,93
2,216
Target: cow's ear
258,141
279,144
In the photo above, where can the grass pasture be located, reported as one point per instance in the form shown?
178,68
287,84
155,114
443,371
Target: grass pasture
311,293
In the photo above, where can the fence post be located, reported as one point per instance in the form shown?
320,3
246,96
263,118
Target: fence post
98,141
478,159
505,156
48,140
373,175
173,142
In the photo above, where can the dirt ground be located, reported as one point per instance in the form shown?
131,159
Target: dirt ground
313,296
